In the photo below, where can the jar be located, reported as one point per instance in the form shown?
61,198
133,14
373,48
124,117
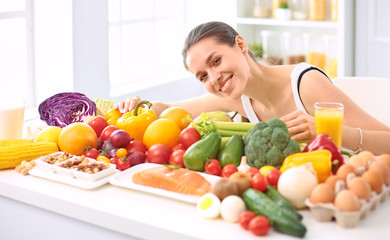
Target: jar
272,54
299,9
317,10
331,50
293,48
262,8
275,5
334,10
315,50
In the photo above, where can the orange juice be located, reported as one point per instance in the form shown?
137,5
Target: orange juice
317,59
329,120
11,120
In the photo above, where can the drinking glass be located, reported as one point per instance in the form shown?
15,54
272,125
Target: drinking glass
11,119
329,120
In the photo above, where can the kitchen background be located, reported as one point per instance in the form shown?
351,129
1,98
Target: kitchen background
118,48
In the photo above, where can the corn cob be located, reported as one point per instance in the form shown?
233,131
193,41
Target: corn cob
13,152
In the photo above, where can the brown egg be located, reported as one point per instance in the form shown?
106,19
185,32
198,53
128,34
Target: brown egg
383,169
385,158
358,162
374,179
322,193
331,181
347,201
344,170
360,187
368,157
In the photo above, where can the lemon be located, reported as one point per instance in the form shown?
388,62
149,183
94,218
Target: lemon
49,134
265,169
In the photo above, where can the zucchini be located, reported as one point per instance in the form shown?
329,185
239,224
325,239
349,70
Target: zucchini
275,196
259,203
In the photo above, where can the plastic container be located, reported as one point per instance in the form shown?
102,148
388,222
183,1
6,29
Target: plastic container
317,10
262,8
315,50
47,162
272,54
293,48
331,60
299,8
95,176
275,5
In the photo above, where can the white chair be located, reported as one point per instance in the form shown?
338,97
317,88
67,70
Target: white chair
371,93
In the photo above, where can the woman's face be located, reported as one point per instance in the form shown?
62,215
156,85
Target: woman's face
221,68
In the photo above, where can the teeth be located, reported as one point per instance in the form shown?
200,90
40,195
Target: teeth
225,85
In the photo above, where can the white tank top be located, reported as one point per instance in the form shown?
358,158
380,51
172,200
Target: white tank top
296,75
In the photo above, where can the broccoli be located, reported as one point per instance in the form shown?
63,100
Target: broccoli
269,143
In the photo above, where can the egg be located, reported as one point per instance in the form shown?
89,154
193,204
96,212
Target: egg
322,193
331,181
231,207
358,162
382,168
360,187
374,179
209,206
347,201
385,158
368,157
346,169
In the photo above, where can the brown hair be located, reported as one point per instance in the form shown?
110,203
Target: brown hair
222,32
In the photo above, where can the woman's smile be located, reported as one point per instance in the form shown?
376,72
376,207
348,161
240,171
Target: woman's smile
225,85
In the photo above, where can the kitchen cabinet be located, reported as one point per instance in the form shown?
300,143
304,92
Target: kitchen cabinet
251,28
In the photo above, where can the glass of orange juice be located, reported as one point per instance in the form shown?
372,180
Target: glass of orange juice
11,119
329,120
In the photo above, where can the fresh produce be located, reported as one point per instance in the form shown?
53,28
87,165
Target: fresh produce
76,137
269,143
228,129
106,133
123,164
232,151
102,158
228,170
321,160
273,177
189,136
158,153
112,116
108,148
252,171
323,141
197,154
178,115
242,180
259,182
231,207
163,131
213,167
176,158
120,138
223,188
265,169
13,152
121,152
103,106
259,226
279,200
49,134
136,146
136,121
178,147
280,220
65,108
243,167
209,206
98,123
136,158
245,217
296,184
91,152
214,116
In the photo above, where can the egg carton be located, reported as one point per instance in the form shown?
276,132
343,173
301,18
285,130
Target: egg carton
326,212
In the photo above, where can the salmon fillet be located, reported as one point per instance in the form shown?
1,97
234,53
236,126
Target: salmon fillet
176,180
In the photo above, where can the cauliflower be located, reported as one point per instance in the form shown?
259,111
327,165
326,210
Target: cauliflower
269,143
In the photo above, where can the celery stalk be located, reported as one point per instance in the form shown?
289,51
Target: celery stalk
229,133
234,126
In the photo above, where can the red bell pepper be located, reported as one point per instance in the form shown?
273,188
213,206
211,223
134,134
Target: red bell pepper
323,141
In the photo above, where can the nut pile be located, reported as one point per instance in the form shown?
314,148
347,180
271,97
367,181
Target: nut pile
73,163
24,167
56,158
93,167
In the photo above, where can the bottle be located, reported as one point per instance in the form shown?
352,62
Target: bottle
317,10
331,60
299,9
272,54
293,48
315,50
262,8
334,10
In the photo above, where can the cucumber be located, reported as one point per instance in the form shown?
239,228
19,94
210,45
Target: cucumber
280,219
275,196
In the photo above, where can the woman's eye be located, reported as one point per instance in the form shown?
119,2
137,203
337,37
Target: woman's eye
203,77
216,61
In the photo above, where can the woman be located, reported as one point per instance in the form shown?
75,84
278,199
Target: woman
220,59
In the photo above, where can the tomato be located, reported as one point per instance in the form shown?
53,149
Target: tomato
158,153
259,225
136,146
252,171
273,177
228,170
114,160
123,164
259,182
178,147
102,158
98,123
92,153
121,152
245,217
106,133
176,158
213,167
189,136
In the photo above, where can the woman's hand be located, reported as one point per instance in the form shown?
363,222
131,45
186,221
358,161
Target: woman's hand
128,104
301,125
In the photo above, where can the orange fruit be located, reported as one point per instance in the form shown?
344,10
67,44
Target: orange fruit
162,131
76,137
178,115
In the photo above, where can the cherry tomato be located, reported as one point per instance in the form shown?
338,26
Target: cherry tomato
213,167
178,147
106,133
252,171
92,153
273,177
259,225
114,160
102,158
121,152
245,217
228,170
136,146
98,123
259,182
158,153
176,158
189,136
123,164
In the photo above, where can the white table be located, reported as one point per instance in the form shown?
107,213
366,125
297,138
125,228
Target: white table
35,208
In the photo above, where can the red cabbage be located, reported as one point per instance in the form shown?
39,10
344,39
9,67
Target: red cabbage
65,108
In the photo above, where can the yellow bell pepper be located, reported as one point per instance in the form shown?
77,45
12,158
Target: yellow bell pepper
112,116
321,161
137,120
